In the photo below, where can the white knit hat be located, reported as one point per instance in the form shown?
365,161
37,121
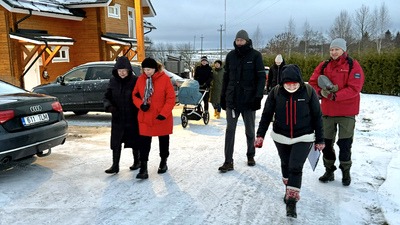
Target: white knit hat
278,58
340,43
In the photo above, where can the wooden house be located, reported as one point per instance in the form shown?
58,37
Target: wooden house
41,39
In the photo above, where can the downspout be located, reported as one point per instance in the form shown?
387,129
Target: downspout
33,63
130,47
24,18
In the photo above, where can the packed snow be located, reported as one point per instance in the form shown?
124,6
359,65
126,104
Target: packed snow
70,186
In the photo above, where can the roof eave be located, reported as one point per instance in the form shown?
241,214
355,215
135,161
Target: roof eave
46,14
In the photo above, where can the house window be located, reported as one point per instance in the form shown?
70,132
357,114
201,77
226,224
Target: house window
114,11
62,55
131,22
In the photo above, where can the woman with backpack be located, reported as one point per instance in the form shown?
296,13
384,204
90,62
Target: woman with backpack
297,126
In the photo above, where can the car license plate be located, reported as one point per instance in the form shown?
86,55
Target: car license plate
31,120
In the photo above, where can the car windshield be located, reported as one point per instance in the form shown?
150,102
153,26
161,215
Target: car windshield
6,88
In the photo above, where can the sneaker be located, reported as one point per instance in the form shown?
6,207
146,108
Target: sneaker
226,167
251,161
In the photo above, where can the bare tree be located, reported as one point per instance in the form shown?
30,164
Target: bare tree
277,44
342,27
290,36
380,24
362,23
186,52
307,36
258,39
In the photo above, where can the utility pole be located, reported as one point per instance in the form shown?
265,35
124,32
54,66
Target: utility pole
201,48
220,42
194,44
225,29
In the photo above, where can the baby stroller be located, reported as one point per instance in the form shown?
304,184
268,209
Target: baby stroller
189,95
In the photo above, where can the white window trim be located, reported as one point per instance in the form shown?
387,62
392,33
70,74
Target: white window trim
114,11
131,23
61,58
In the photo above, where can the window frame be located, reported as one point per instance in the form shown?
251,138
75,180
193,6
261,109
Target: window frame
63,55
114,11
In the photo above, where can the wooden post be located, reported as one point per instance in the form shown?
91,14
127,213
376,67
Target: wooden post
139,30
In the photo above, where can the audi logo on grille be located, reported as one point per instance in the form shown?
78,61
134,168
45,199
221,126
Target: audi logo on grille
35,108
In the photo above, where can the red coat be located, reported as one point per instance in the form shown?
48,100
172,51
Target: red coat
347,101
162,103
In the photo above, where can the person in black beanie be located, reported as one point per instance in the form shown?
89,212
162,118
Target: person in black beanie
297,126
242,92
124,123
204,75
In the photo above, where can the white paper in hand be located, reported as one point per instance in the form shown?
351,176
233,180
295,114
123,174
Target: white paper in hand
313,157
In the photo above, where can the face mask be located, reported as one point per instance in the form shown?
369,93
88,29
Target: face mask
291,88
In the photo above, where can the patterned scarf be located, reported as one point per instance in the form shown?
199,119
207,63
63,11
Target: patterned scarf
148,91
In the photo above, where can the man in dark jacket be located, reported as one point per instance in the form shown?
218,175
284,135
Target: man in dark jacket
242,92
124,122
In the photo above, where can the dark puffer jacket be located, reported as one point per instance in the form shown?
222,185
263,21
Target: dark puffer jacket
204,75
118,101
296,114
274,75
244,77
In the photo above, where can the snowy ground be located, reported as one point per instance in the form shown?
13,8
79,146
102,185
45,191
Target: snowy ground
70,186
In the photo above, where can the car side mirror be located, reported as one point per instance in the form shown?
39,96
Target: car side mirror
60,79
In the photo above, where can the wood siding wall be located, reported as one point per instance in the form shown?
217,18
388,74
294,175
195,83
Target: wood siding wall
87,34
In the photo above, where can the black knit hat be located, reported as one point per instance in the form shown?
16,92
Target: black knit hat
203,58
243,35
291,73
149,63
218,61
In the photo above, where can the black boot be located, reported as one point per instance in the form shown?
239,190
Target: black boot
143,174
345,167
115,166
163,166
329,169
136,161
291,208
292,197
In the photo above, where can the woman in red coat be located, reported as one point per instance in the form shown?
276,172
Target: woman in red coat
154,95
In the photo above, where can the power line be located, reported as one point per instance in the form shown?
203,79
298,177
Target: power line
253,15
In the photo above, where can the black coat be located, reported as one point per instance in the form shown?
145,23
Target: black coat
296,114
118,101
274,75
204,75
244,77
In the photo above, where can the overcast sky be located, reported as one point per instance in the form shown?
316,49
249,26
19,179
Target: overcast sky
187,21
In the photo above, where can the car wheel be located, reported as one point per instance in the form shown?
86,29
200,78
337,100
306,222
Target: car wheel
184,120
79,113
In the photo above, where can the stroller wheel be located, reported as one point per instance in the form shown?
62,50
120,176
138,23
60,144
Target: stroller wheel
206,117
184,120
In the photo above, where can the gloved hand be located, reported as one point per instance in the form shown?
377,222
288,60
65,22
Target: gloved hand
144,107
327,94
334,88
222,102
258,143
111,109
319,147
160,117
256,104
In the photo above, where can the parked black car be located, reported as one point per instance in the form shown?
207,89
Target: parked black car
30,123
81,89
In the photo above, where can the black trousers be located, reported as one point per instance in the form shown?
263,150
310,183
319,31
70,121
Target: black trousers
145,146
293,158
